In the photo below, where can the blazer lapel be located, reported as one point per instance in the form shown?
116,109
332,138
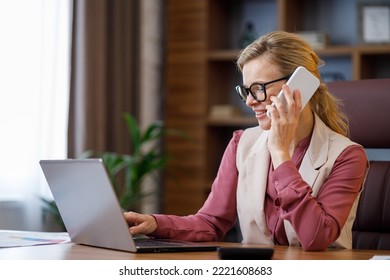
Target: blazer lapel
256,166
317,153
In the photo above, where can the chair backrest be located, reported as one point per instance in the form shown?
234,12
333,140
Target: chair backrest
371,229
367,104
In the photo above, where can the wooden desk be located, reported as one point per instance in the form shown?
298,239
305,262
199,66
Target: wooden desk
70,251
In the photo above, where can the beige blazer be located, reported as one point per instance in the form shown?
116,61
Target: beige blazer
253,161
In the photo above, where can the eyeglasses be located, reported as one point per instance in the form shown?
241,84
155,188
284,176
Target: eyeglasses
257,90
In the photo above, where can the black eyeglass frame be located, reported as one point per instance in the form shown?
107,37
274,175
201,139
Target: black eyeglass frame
241,88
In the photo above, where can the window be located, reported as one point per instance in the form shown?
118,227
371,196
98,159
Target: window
34,91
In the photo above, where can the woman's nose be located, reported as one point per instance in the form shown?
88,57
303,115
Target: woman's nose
250,100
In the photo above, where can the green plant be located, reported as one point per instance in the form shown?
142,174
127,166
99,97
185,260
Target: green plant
51,208
128,171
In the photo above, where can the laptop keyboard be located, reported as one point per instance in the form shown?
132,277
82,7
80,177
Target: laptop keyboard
155,243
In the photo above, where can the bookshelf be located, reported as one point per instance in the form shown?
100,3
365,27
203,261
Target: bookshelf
202,46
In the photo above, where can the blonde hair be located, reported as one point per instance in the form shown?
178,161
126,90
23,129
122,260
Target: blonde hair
288,51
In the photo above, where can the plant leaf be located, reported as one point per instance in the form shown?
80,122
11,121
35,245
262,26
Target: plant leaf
134,131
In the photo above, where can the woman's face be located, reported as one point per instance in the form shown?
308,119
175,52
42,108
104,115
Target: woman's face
260,70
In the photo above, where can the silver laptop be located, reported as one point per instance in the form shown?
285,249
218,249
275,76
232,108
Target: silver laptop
90,209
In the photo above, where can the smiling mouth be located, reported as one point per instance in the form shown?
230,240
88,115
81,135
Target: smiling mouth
259,113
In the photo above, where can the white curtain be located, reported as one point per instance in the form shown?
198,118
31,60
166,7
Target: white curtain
34,90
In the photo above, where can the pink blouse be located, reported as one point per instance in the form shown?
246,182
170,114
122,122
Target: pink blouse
317,221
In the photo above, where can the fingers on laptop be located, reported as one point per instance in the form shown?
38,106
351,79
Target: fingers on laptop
140,223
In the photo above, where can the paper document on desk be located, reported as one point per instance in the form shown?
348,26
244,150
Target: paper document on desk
381,257
13,238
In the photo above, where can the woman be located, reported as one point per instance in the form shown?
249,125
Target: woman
293,180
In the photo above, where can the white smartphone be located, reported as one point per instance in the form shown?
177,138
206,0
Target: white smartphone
303,80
